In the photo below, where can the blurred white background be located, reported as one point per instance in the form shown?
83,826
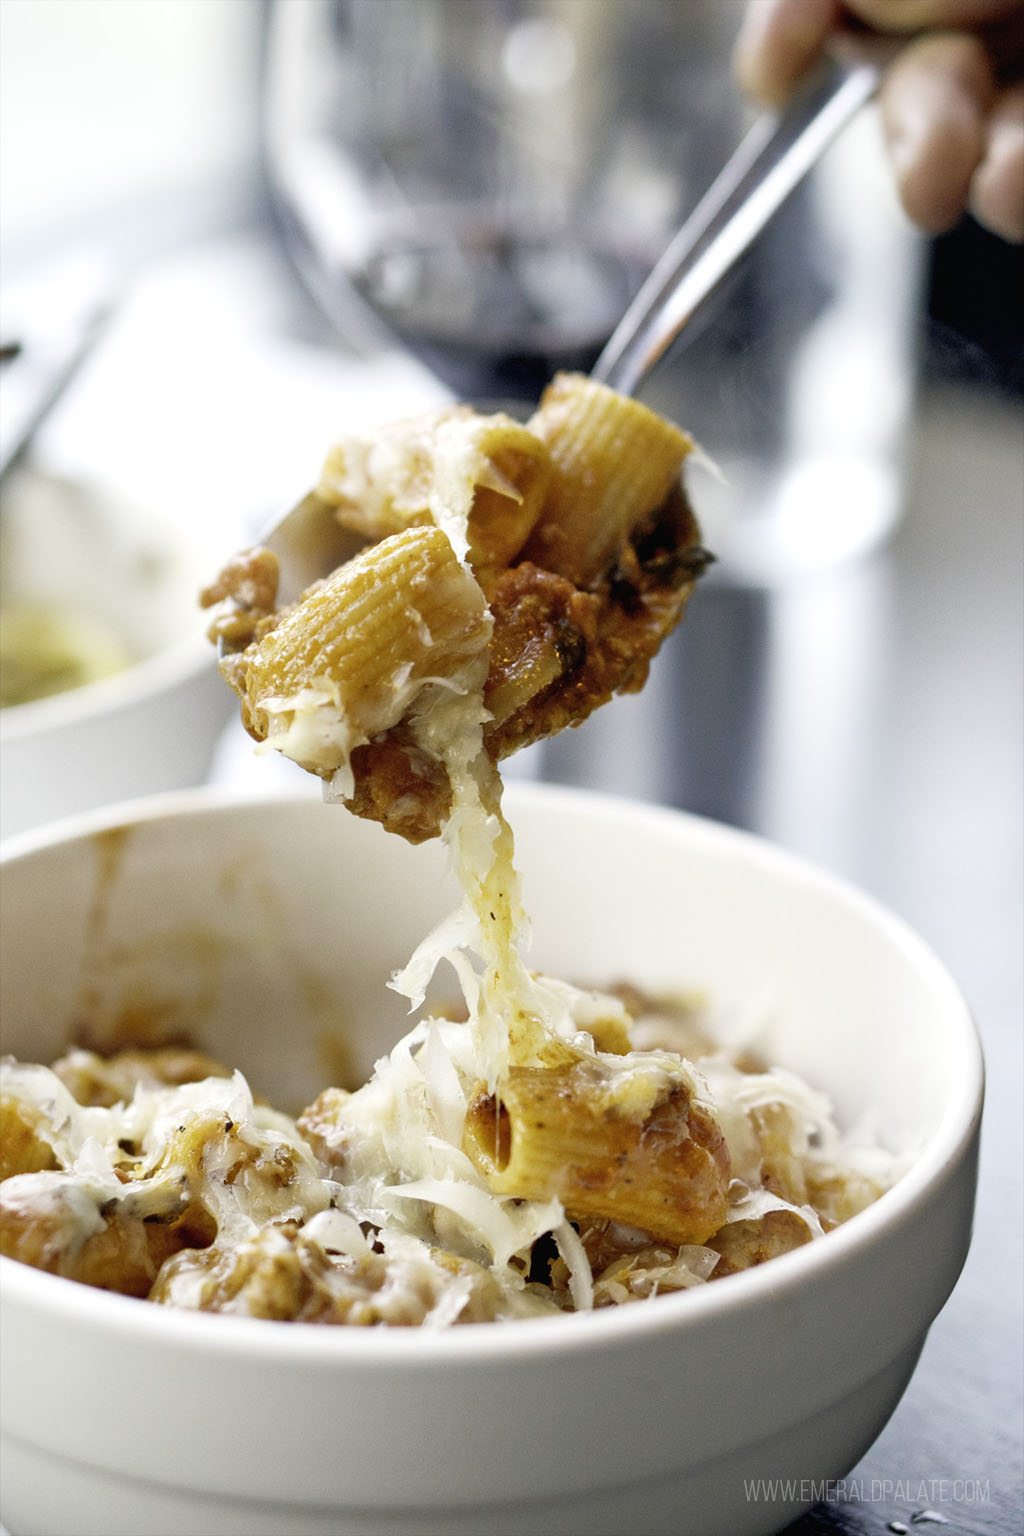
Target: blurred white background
131,184
136,119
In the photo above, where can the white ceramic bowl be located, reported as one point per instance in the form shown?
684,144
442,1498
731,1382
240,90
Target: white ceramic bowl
137,572
272,925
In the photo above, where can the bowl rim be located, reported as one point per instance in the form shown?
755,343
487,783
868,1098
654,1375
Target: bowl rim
314,1346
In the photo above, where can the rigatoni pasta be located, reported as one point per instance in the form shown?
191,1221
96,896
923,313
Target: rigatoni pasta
576,530
342,666
613,463
577,1133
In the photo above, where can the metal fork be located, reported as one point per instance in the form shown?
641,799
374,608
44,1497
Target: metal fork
774,156
770,162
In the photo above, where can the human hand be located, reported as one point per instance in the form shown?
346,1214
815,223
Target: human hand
952,102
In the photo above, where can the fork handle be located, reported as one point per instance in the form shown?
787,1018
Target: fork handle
770,161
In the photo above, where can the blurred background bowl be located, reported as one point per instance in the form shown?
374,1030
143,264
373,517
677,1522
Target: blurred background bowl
267,929
100,605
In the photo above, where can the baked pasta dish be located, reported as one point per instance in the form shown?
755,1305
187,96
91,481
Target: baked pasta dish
609,1168
539,1147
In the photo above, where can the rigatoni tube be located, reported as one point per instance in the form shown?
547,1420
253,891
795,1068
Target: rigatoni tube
569,1132
346,662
